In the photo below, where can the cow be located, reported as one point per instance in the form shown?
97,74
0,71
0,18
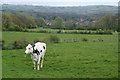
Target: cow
37,52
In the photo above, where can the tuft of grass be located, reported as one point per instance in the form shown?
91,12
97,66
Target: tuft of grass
19,44
54,39
49,39
101,40
85,39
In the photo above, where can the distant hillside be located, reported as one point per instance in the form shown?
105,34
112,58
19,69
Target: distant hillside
84,9
44,11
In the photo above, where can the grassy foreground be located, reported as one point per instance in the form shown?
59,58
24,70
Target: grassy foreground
92,59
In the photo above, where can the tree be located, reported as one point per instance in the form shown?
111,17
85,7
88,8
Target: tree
17,22
108,22
40,22
31,23
16,28
118,28
58,23
6,21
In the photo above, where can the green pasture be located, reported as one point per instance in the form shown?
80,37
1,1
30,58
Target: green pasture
10,36
67,59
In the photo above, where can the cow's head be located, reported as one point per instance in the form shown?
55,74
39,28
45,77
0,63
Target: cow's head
29,49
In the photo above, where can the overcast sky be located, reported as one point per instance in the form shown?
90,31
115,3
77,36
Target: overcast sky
68,2
60,0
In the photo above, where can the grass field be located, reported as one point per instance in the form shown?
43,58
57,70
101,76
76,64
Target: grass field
68,59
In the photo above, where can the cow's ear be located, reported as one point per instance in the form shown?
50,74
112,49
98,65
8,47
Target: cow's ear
33,45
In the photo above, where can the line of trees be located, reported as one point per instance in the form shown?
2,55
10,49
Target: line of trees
17,22
20,23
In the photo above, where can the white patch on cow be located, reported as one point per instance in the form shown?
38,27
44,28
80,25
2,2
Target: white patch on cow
34,57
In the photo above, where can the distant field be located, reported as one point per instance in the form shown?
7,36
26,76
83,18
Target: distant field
68,59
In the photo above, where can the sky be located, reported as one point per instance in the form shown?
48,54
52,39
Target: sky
60,0
65,2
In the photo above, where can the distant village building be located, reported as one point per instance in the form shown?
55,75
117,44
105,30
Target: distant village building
48,23
80,21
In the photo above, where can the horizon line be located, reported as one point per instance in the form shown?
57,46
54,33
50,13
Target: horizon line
59,5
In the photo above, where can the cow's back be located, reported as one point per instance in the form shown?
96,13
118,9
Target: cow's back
41,47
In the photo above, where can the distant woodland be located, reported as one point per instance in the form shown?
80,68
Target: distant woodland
23,17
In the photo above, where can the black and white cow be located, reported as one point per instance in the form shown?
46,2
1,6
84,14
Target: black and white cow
37,53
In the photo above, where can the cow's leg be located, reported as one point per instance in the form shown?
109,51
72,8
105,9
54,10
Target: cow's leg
38,63
38,66
34,67
41,62
42,59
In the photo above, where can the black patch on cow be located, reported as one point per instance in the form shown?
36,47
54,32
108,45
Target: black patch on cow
43,47
41,51
36,51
